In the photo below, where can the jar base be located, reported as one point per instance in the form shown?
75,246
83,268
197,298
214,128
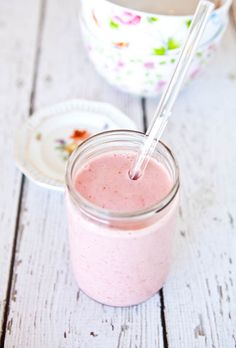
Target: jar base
111,303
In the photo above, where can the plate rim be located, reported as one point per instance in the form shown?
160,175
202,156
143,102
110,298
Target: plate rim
22,135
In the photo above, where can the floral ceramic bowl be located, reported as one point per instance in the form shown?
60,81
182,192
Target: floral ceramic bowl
131,30
143,75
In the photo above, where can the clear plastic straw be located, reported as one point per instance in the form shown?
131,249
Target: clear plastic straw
170,94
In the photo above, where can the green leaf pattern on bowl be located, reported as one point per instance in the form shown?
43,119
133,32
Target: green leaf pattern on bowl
159,51
152,19
113,24
188,23
172,44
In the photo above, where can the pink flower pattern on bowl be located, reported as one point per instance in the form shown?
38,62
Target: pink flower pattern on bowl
120,64
149,65
160,85
195,73
127,18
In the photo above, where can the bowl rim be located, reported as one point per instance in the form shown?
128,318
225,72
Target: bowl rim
224,7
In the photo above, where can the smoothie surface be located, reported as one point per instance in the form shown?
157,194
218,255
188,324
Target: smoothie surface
104,181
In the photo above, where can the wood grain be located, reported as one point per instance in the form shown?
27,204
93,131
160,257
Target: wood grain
17,58
47,309
200,295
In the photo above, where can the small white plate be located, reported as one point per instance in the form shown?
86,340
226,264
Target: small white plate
45,141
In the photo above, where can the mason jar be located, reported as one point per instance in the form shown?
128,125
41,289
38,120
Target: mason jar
120,258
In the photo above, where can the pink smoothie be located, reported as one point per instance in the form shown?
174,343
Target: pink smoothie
105,182
121,264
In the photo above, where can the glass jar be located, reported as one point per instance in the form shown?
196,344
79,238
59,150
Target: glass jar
120,259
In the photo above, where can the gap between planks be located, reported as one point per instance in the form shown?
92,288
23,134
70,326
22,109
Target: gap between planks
6,309
161,293
16,233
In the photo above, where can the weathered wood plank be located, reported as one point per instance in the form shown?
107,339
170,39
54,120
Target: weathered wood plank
18,33
199,296
47,309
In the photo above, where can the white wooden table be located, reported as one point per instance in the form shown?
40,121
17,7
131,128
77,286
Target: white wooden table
42,61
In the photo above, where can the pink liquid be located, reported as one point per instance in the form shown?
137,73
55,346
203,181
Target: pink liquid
106,183
115,264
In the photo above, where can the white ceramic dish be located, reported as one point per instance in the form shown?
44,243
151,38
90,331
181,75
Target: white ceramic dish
131,30
143,75
46,140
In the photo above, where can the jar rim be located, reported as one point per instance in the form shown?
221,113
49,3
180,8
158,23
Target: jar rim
102,213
